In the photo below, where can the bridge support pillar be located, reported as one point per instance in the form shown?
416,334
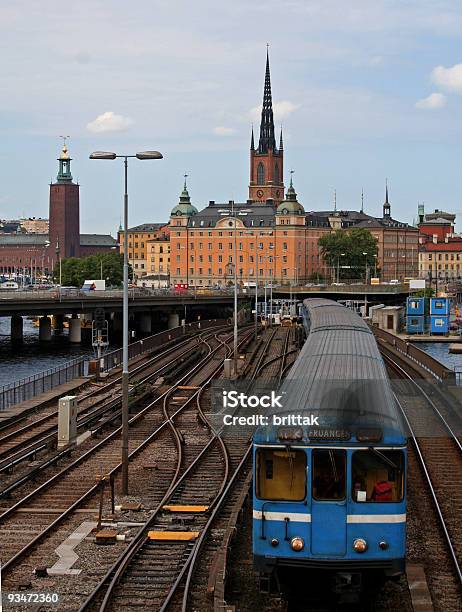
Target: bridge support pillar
173,320
16,328
45,329
117,321
145,322
58,322
75,330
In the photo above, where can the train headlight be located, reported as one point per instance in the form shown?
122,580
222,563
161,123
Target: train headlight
297,544
360,545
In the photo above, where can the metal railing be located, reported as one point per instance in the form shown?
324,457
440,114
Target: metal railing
27,388
114,358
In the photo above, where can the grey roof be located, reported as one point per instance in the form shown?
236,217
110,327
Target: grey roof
23,239
252,214
339,376
97,240
147,227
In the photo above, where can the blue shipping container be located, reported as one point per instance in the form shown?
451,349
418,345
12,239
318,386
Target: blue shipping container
439,306
415,325
439,325
415,306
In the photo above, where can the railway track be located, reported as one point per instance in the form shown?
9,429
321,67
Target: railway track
38,437
437,452
158,567
58,499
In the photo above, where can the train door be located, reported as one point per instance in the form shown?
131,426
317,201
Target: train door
328,502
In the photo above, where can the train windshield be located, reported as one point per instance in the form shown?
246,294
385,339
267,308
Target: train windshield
377,475
329,474
281,474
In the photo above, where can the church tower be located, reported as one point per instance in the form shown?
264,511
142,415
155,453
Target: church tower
266,161
64,210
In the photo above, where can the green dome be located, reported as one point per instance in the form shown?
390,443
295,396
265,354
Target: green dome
290,206
184,206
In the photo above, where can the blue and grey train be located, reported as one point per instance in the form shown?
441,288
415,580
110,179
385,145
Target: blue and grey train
329,492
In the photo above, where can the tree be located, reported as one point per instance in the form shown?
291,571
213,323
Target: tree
76,270
350,252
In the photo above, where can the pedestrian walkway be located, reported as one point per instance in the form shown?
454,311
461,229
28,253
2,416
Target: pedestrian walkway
24,408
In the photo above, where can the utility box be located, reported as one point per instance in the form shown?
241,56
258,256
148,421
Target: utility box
439,306
67,420
228,368
415,306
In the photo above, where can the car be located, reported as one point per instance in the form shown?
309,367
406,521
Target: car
394,281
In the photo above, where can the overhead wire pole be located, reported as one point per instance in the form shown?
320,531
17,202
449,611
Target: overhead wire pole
235,288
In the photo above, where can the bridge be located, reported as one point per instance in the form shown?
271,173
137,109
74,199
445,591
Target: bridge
167,307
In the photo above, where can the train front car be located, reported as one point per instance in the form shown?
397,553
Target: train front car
330,467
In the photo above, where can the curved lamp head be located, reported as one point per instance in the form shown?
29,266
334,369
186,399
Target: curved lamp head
149,155
103,155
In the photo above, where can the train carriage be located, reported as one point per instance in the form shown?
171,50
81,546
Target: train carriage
330,467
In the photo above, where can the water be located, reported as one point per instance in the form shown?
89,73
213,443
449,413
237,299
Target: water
32,357
440,351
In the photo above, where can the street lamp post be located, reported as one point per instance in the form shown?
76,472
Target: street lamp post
125,379
365,288
338,266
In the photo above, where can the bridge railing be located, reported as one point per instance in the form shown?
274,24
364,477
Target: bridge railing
27,388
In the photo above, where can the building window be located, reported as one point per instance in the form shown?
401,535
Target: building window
220,258
260,174
276,173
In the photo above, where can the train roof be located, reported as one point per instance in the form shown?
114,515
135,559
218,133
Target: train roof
339,376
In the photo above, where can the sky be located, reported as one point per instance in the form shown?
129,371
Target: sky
365,90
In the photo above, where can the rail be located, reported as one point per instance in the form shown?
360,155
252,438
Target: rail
25,389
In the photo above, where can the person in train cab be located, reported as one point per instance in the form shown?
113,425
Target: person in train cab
382,491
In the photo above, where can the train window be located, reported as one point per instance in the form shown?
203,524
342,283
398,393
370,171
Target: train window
281,474
377,475
329,474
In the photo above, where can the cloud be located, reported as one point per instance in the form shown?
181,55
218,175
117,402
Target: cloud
221,130
431,102
281,110
448,78
109,122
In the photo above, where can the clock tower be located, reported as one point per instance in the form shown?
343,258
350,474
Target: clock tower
266,161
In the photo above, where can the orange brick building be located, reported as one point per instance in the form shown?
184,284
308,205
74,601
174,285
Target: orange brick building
270,237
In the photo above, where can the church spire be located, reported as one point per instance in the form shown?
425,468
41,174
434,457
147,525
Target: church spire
281,144
267,140
386,205
252,142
